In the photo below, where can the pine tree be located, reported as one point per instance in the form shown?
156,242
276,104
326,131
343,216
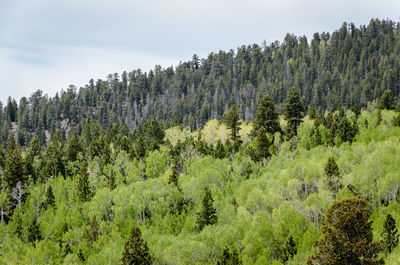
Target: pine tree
387,100
136,251
266,116
54,155
312,113
33,151
356,110
208,214
219,151
390,235
232,121
229,258
111,180
82,183
34,231
50,199
316,138
348,237
73,147
293,111
262,144
173,178
332,173
13,165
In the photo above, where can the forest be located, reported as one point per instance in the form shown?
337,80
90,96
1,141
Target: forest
286,153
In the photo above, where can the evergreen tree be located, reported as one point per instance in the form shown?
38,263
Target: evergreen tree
208,214
136,251
229,258
174,177
33,151
316,138
82,183
312,113
73,147
332,173
266,116
34,231
54,155
13,165
219,151
293,111
232,121
387,101
81,257
396,120
262,144
390,235
348,237
111,180
50,199
356,110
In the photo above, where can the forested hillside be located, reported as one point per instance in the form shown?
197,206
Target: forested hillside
282,154
349,66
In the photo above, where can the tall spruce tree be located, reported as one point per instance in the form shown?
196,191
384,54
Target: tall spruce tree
232,121
50,199
293,111
54,155
136,251
34,231
262,144
82,183
387,101
266,116
208,214
13,165
348,237
390,234
332,173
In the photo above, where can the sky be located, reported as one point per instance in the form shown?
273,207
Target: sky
49,45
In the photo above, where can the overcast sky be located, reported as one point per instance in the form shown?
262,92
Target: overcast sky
50,44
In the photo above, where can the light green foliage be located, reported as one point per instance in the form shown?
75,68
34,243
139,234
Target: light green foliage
213,131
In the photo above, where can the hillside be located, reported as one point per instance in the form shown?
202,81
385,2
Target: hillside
346,67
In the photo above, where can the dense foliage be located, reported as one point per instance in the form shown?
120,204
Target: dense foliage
80,186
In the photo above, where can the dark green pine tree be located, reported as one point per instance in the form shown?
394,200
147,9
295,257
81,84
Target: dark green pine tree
232,121
219,151
293,111
266,116
316,138
312,113
33,151
54,156
263,144
356,110
289,250
136,251
387,101
111,180
34,231
396,120
229,258
332,173
50,199
208,214
82,183
390,235
73,147
13,165
174,177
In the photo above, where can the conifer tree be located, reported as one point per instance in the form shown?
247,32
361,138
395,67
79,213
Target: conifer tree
208,214
332,173
33,151
73,147
13,165
232,121
266,116
81,257
390,235
316,138
50,199
348,237
263,144
54,155
82,183
356,110
229,258
111,180
34,231
387,101
312,113
219,151
136,251
293,111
